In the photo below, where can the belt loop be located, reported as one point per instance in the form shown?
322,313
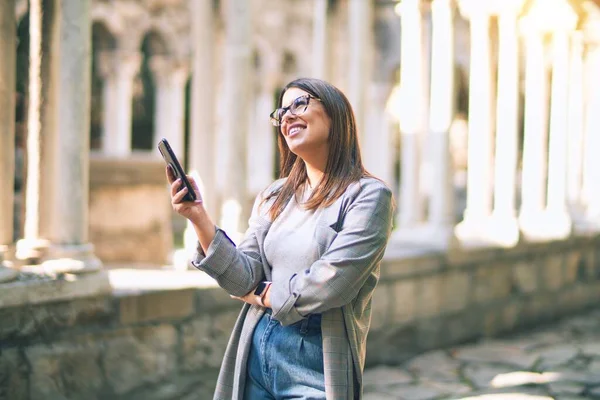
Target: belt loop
304,325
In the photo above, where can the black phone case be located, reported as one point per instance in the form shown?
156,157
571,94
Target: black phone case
169,156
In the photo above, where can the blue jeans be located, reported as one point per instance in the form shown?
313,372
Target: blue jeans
286,362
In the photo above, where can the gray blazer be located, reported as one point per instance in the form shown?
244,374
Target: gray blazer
352,235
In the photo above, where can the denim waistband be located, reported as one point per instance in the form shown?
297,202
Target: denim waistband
310,321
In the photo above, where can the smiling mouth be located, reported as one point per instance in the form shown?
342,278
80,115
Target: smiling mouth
295,130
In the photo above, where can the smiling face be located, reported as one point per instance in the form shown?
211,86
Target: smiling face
307,135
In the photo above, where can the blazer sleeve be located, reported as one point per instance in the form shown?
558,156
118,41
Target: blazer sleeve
336,278
239,269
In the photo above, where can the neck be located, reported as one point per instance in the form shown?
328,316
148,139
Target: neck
315,173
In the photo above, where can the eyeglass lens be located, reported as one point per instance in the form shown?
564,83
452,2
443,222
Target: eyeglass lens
297,107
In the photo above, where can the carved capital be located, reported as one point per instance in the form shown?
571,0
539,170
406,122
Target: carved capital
167,70
118,63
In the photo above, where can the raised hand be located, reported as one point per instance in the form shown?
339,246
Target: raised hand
188,209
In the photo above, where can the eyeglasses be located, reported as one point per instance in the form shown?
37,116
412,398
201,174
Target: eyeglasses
298,107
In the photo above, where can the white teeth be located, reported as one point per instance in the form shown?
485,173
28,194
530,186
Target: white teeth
295,130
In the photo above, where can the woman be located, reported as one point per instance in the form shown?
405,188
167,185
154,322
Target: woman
309,261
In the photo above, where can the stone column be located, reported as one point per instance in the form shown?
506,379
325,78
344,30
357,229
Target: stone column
121,68
505,226
70,249
202,143
202,111
261,138
558,218
575,130
378,150
8,49
67,248
533,196
441,114
360,38
413,112
591,166
234,208
160,69
474,228
170,78
108,71
319,54
44,39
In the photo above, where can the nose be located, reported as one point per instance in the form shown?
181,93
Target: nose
287,116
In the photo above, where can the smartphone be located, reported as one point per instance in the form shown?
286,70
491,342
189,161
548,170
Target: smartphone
171,160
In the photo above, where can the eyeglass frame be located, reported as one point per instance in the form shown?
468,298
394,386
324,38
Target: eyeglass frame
277,123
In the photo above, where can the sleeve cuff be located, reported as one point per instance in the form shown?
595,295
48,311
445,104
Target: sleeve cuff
198,255
218,257
283,306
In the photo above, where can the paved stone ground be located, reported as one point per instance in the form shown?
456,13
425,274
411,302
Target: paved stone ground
560,362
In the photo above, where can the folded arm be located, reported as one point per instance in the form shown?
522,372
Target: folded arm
336,278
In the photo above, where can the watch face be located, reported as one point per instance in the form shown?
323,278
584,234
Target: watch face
260,288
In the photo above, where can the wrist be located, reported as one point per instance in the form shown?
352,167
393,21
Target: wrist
261,293
200,216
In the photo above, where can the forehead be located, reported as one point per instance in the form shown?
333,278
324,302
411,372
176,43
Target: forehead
291,94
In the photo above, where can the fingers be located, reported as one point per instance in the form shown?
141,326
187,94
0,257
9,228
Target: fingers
178,196
170,174
175,187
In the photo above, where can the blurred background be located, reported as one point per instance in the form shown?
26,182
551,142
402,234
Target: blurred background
483,116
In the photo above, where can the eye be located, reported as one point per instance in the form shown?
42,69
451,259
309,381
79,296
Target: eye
299,104
279,113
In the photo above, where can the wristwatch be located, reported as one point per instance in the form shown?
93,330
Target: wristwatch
261,291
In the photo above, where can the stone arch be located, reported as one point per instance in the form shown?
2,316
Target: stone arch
175,37
109,18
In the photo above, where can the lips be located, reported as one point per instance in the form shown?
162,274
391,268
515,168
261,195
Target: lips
294,129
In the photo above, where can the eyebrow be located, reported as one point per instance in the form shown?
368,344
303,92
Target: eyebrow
296,98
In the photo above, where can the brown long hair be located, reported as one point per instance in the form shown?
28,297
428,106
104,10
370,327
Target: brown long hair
344,164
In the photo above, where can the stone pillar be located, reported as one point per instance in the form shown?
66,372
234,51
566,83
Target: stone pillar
161,70
474,228
44,37
575,147
591,166
360,38
170,78
558,218
107,69
441,114
8,48
533,196
120,68
505,226
378,150
234,206
202,144
261,139
68,249
413,113
319,56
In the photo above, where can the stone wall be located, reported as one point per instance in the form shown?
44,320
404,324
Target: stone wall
167,341
434,300
160,345
130,210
